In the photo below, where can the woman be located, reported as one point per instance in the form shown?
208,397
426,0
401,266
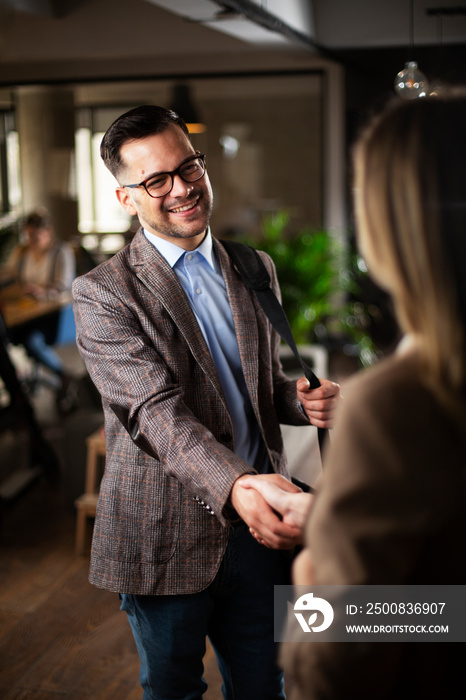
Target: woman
390,505
43,267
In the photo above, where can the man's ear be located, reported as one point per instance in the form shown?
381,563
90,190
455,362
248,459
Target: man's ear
125,200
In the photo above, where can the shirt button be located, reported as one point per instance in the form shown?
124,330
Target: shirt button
189,257
198,291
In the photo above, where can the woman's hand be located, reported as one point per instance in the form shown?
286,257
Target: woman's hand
265,523
283,496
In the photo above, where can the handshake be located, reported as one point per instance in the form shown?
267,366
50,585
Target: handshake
274,508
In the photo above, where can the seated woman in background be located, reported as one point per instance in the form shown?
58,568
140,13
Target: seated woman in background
43,267
389,507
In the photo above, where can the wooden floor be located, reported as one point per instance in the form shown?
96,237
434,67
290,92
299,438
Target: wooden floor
59,636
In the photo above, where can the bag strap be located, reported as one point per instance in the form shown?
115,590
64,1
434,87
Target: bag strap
256,277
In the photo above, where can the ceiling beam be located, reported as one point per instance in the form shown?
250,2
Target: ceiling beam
256,13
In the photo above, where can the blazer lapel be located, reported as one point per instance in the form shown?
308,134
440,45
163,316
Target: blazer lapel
245,321
160,280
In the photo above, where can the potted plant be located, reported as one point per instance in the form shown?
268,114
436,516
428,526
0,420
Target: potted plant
317,276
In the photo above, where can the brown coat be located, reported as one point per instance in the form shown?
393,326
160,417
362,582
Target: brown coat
390,510
162,521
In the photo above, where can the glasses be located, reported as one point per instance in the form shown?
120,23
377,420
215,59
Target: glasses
161,184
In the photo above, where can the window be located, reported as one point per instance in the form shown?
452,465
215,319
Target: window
10,184
98,208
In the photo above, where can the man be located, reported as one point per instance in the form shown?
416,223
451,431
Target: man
193,395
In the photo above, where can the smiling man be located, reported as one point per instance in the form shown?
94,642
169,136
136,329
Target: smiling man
193,395
177,207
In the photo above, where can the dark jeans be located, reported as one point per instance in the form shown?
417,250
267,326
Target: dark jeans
235,612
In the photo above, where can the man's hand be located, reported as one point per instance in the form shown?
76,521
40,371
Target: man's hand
264,523
293,505
319,404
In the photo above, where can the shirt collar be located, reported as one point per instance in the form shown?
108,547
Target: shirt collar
172,252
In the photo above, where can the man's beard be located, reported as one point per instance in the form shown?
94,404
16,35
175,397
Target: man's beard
181,230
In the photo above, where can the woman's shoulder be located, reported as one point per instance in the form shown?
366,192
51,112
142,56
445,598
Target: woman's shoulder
395,397
397,376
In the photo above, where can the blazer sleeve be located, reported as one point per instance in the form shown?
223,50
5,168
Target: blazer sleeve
129,372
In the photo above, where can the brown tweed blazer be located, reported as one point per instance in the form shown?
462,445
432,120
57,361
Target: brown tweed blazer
162,519
389,511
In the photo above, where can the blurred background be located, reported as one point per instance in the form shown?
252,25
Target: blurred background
275,93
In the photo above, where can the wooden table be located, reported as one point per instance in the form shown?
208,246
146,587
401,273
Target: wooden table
18,309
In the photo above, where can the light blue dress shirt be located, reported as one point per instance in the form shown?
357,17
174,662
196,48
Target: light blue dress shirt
200,276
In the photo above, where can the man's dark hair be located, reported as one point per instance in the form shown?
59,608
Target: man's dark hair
138,123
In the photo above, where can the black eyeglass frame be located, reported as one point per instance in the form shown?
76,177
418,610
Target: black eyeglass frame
172,174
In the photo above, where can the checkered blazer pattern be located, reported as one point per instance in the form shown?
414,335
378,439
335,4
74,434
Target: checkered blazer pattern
162,518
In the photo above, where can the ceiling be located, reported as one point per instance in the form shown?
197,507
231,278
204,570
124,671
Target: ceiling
332,24
366,24
46,40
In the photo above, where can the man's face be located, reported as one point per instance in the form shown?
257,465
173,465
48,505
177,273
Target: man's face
181,216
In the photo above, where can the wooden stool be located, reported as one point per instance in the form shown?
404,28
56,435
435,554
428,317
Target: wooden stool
86,504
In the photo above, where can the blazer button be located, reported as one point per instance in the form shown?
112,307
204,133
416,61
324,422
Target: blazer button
226,437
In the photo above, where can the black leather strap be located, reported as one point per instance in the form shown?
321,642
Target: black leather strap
255,276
